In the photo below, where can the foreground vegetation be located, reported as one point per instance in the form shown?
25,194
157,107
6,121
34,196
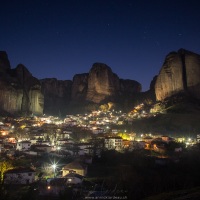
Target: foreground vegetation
137,174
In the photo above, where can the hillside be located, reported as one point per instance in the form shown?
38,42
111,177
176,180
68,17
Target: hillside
178,115
169,124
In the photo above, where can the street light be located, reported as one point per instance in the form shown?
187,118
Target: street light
54,169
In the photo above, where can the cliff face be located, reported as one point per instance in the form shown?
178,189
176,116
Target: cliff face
19,90
32,99
99,85
79,87
57,95
192,64
129,86
10,97
15,99
102,83
179,73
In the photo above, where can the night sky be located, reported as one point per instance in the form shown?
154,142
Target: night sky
55,38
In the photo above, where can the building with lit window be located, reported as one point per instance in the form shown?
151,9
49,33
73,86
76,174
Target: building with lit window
23,145
115,143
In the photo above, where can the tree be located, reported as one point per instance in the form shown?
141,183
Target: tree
47,170
104,107
4,166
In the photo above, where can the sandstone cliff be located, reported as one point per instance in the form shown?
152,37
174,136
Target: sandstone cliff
102,83
20,92
179,73
32,99
94,87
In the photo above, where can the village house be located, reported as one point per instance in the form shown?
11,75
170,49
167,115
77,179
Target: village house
75,167
19,176
70,122
113,143
83,148
159,147
147,139
61,142
125,144
167,139
97,130
41,142
63,135
43,147
35,137
74,178
137,145
115,131
38,136
23,145
88,151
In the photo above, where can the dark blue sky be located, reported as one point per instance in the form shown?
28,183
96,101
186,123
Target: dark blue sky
55,38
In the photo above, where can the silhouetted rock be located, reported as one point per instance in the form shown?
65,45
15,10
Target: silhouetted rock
4,62
129,86
179,73
153,82
79,87
57,94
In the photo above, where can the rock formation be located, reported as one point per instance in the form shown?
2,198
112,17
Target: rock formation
20,92
32,99
79,87
102,83
129,86
57,94
10,97
4,62
179,73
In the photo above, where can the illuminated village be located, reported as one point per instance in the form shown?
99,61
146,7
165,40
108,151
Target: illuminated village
53,154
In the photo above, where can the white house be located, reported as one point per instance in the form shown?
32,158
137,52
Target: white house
23,145
113,143
19,176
